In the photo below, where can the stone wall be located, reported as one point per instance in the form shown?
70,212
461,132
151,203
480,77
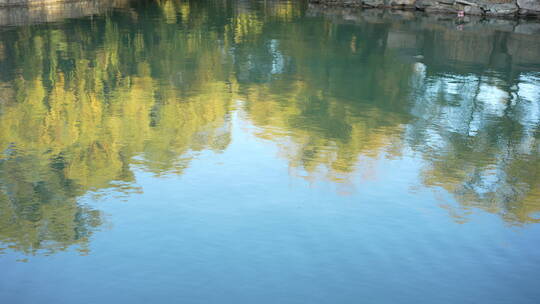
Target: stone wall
464,7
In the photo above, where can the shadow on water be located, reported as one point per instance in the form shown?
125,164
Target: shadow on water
84,101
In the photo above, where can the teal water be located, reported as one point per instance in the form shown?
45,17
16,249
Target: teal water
268,152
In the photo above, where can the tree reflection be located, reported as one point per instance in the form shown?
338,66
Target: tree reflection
480,137
84,101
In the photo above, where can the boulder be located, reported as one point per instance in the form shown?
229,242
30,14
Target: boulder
500,9
422,4
405,3
472,10
442,8
529,7
374,3
467,7
353,3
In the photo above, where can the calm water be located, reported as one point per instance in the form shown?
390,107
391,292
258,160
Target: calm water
265,152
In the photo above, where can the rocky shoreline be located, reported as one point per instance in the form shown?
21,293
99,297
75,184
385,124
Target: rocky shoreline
507,8
503,8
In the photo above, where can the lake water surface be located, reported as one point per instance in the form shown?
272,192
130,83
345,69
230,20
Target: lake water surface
268,152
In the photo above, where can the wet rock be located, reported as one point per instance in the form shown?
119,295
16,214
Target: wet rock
374,3
441,8
373,16
406,3
449,6
353,3
468,7
529,7
422,4
472,10
500,9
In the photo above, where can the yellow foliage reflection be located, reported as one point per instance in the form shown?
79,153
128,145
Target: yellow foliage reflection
84,101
